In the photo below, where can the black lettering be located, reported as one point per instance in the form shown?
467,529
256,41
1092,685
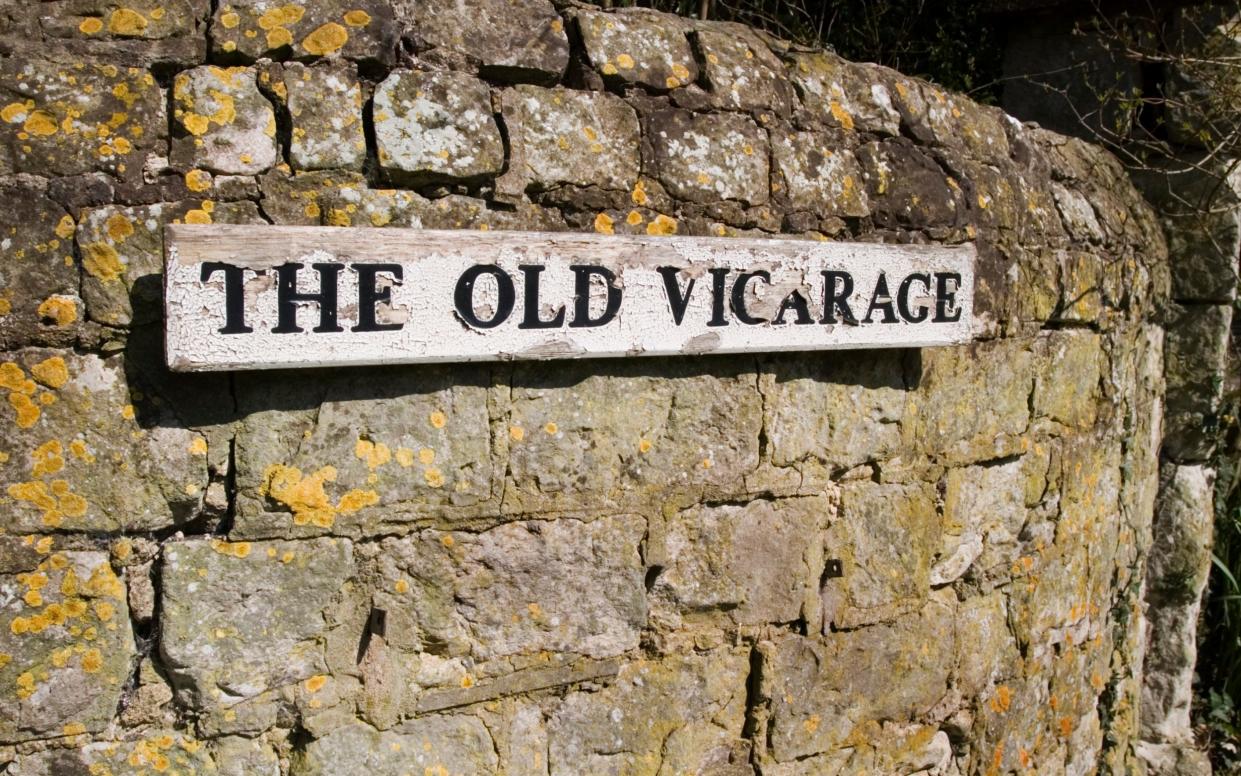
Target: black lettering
287,297
369,295
739,288
676,300
837,288
581,291
797,303
902,298
881,292
234,296
946,298
718,276
463,296
530,316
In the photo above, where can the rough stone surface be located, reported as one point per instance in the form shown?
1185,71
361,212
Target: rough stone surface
361,30
70,119
816,178
1194,354
226,124
638,48
66,641
81,453
501,40
436,126
449,744
325,105
704,159
740,71
841,95
39,302
157,751
559,137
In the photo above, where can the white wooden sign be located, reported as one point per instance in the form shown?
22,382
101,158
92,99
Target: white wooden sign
254,297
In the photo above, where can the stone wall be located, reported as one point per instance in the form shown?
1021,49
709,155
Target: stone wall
869,562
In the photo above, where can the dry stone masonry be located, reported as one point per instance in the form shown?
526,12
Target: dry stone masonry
900,562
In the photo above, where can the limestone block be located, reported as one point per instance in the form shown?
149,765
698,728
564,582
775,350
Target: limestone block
741,72
77,455
122,251
843,95
240,620
756,563
956,121
1079,217
239,756
638,48
325,103
1066,382
681,714
39,302
360,451
1195,352
559,136
984,511
524,587
503,41
436,126
361,30
707,158
992,652
67,644
1180,553
227,125
435,744
820,175
906,187
943,414
843,409
635,435
353,206
301,199
887,536
823,690
66,120
142,33
156,751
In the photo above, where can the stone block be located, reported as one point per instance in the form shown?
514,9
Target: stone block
301,199
39,302
143,33
354,206
436,127
584,438
1066,384
1180,554
707,158
71,119
559,137
497,39
752,564
325,104
1195,352
226,125
944,414
680,714
241,620
958,122
887,537
122,251
984,512
352,452
431,745
66,642
818,173
156,751
78,456
824,690
520,588
843,95
638,47
361,30
843,409
740,71
906,187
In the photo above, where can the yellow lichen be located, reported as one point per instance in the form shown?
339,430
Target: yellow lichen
315,683
198,180
64,228
27,411
197,216
127,22
229,19
304,496
639,193
92,661
355,500
47,458
327,39
118,227
198,446
625,61
438,420
841,115
281,16
357,18
101,261
662,225
434,477
375,455
52,372
278,37
604,223
516,433
90,25
550,427
634,218
40,123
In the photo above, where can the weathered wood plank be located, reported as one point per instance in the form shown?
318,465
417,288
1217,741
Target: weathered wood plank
235,298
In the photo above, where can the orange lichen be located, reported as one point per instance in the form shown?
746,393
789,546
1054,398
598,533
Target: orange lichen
434,477
47,458
101,261
356,500
315,683
52,372
90,25
375,455
603,223
357,18
26,410
516,433
304,496
198,180
327,39
127,22
438,420
661,226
